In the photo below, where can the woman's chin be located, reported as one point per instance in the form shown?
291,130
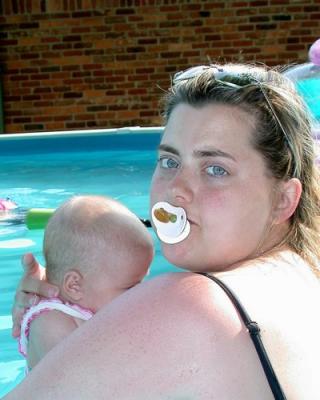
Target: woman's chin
180,255
171,250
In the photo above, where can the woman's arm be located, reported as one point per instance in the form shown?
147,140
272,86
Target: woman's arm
31,286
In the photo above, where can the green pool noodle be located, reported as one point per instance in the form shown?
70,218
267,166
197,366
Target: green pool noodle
37,218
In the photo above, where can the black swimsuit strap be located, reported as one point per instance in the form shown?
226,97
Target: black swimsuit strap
254,332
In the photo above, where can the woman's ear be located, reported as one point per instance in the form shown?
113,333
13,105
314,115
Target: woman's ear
288,196
73,285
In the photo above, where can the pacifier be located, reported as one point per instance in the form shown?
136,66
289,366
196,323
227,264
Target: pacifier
170,222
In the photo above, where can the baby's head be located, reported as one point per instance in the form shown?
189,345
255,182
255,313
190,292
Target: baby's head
95,249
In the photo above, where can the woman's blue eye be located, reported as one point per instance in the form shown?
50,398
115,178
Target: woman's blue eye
168,163
215,170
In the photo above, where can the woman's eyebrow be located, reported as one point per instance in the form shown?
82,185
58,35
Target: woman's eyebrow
197,153
212,153
168,149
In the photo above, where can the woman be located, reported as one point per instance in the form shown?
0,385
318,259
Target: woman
238,157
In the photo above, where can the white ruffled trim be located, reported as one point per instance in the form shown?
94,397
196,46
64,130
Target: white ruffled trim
73,310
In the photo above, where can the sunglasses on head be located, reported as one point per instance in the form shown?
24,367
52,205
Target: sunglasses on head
220,75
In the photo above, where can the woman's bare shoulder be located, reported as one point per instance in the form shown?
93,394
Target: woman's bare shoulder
174,336
191,293
186,335
186,311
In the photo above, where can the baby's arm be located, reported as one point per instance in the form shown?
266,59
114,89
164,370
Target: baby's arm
48,329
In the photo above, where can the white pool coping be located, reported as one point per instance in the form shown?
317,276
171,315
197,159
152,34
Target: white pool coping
82,132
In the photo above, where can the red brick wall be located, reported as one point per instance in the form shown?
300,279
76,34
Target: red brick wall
78,64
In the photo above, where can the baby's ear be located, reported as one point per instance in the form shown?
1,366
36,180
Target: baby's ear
288,196
72,285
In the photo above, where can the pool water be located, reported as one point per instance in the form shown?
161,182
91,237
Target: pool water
46,175
44,170
310,90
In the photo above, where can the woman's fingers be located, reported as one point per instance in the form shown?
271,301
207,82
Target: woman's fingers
17,315
31,288
22,301
32,285
31,265
34,277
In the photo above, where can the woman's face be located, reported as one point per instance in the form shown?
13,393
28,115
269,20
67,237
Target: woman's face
208,166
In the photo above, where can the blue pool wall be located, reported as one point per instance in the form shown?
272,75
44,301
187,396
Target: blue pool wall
75,141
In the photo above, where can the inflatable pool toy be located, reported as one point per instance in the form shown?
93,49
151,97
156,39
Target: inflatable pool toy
309,69
306,78
7,205
37,218
314,53
171,223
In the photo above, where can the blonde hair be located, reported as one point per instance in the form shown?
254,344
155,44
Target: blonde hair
282,135
87,232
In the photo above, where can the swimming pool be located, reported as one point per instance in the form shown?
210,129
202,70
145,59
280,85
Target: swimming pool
43,170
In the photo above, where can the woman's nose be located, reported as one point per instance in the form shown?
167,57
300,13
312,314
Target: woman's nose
180,190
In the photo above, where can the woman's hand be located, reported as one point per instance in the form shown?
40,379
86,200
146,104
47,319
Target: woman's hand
31,287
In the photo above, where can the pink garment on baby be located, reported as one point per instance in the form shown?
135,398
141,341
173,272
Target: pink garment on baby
44,306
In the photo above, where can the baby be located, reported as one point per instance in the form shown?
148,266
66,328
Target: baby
94,249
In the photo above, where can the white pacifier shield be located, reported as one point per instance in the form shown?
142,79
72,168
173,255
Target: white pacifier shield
177,239
171,232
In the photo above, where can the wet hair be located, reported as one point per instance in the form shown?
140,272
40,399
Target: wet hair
282,134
